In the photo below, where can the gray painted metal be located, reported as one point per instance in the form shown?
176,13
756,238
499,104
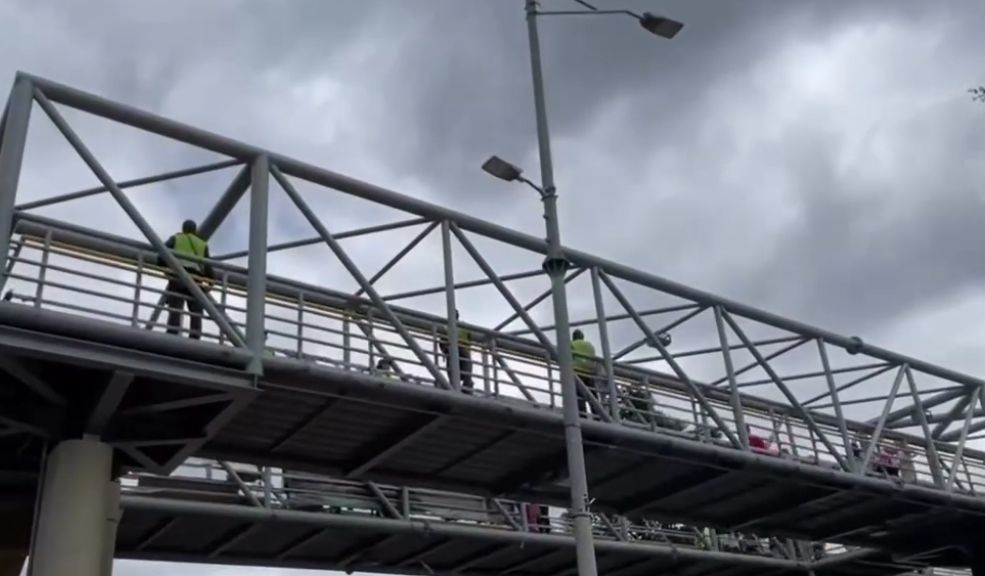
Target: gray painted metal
17,116
256,281
210,141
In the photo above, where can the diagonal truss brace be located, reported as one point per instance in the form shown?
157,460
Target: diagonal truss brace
351,267
220,319
808,419
655,342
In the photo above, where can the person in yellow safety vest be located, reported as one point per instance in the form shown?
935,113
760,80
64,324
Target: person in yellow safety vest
583,357
464,356
185,244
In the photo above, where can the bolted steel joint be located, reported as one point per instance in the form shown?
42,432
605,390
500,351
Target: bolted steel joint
556,265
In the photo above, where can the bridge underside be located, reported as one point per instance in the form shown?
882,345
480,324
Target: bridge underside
308,417
224,536
398,433
155,410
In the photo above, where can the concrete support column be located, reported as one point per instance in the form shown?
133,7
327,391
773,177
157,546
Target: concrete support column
79,510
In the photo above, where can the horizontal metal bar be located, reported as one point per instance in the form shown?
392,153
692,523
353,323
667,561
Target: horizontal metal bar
441,529
197,137
340,236
702,351
817,374
612,318
460,285
130,184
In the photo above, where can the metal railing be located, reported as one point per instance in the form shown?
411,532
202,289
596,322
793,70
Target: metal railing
126,285
278,489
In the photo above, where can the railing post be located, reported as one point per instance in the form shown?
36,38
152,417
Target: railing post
604,342
347,341
452,356
300,335
42,270
12,142
369,340
138,285
223,302
256,282
495,369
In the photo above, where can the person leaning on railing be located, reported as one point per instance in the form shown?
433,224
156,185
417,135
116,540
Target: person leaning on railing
192,252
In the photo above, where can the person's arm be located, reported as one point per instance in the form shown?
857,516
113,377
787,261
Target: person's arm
169,244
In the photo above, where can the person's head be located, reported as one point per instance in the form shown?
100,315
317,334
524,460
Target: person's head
384,364
189,227
577,335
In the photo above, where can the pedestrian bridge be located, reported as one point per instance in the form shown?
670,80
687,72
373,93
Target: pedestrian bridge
744,422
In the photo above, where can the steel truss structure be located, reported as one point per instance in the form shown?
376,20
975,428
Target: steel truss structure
845,441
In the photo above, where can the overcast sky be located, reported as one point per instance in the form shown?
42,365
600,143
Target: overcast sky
821,159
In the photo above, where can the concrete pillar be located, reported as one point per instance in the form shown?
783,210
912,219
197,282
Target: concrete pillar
79,510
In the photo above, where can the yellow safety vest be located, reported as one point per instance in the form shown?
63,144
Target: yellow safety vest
189,245
584,356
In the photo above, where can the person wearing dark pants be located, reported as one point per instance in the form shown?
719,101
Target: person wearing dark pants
192,252
464,357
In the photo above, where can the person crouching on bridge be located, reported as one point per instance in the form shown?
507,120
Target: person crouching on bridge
187,245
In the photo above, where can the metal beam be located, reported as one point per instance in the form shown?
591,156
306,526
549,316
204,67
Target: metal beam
453,352
462,285
354,271
243,488
804,414
603,328
483,555
775,354
30,380
210,141
256,280
339,236
961,442
181,404
392,442
734,397
695,310
877,433
381,497
398,256
108,402
304,423
655,342
301,542
169,258
529,305
155,533
230,197
959,408
17,116
124,184
230,539
839,415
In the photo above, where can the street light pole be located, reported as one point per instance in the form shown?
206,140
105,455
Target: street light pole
556,265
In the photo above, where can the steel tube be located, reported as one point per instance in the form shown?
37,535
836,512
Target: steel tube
529,305
454,366
256,281
340,236
839,415
604,342
443,529
736,400
138,219
461,285
14,138
555,264
124,184
351,267
874,441
398,256
210,141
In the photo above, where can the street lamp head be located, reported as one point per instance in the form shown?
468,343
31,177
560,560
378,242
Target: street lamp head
501,169
660,26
